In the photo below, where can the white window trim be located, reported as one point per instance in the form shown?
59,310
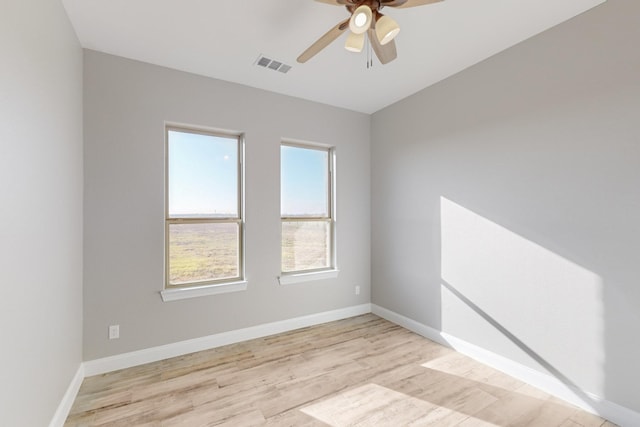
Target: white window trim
174,294
331,272
290,279
238,285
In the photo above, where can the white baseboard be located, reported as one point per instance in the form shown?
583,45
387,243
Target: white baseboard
410,324
153,354
585,400
67,400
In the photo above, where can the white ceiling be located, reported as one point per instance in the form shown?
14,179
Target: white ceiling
223,38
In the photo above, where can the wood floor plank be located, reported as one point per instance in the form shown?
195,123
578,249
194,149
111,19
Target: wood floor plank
361,371
585,419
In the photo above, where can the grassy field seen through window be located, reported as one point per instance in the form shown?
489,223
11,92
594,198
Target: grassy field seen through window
209,251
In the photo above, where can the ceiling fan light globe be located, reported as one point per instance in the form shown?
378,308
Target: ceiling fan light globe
361,19
386,29
355,42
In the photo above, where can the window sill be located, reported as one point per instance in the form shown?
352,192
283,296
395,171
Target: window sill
289,279
200,291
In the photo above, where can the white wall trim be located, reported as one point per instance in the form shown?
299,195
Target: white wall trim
201,291
410,324
67,400
288,279
153,354
592,403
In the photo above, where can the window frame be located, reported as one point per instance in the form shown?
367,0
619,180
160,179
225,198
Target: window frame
331,270
205,287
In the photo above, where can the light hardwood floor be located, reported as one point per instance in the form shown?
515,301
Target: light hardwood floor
362,371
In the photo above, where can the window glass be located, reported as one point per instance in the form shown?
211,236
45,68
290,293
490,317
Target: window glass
304,181
203,252
306,245
203,175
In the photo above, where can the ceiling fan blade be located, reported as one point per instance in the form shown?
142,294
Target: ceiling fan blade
385,53
403,4
323,41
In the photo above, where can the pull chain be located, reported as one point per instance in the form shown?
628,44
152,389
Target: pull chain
370,56
369,53
366,46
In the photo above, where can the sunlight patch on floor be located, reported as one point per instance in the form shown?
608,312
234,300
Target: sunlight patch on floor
374,405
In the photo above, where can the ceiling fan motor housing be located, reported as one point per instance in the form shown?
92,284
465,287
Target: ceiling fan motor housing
374,5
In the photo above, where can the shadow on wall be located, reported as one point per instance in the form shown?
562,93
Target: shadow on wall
516,298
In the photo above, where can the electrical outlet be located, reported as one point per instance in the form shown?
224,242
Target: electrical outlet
357,290
114,332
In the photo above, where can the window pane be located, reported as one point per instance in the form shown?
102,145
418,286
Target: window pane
304,182
305,245
199,252
203,175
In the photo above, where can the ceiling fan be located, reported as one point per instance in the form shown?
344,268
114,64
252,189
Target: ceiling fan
365,19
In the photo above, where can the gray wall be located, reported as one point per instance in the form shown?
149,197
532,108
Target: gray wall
506,203
126,105
40,210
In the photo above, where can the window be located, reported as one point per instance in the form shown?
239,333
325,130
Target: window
204,226
307,208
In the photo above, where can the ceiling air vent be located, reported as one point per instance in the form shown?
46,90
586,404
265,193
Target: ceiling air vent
272,64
